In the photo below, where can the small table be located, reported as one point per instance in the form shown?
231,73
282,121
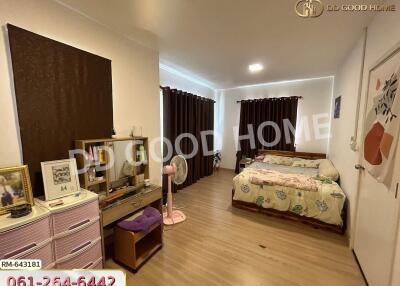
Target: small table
126,206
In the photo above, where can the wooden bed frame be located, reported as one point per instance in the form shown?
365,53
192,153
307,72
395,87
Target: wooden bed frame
289,215
303,155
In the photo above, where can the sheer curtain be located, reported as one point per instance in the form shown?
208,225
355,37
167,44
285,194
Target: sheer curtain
186,113
258,111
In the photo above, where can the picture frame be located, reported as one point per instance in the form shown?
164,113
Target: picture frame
338,103
60,178
15,188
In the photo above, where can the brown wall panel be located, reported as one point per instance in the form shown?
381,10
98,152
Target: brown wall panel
62,94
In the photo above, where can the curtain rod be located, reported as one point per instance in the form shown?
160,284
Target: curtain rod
255,99
201,97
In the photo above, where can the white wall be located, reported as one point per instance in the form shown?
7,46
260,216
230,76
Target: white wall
383,35
347,86
316,101
135,73
171,78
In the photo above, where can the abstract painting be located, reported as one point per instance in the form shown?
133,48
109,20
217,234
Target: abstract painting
382,123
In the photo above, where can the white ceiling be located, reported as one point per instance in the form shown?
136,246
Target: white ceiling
217,39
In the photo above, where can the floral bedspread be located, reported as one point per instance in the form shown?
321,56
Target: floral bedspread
321,199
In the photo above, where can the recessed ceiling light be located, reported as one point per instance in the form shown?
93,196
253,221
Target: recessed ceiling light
256,67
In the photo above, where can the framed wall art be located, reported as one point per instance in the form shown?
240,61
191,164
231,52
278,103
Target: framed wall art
15,188
60,178
382,121
338,103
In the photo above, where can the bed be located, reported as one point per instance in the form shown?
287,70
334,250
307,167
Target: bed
295,192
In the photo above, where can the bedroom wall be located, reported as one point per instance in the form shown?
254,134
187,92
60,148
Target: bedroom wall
383,35
135,72
347,86
174,79
314,107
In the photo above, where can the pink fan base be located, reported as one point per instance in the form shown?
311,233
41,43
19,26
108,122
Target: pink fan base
174,218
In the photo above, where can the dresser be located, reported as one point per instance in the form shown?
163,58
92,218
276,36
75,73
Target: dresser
75,231
28,237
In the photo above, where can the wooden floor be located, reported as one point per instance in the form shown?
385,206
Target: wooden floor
218,245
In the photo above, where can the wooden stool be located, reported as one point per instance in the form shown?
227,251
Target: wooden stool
134,248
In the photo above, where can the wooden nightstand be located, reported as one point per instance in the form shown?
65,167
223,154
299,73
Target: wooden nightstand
244,163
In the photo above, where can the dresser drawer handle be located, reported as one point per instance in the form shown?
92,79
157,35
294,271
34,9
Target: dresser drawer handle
18,251
79,224
88,265
80,247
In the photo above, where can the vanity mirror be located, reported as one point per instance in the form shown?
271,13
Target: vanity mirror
113,167
123,169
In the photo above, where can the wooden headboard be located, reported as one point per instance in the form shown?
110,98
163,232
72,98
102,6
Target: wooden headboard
303,155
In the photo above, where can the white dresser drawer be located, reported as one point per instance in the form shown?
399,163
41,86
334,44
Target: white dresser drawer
74,218
44,253
97,265
85,258
72,242
23,239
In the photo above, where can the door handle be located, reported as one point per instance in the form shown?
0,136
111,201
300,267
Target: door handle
397,190
359,167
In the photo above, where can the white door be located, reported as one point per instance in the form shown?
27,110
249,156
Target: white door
376,229
377,215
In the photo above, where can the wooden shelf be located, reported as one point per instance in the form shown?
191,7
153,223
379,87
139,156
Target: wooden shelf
146,254
140,235
148,244
106,184
96,182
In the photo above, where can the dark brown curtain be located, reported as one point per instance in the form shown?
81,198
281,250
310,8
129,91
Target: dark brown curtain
257,111
187,113
62,94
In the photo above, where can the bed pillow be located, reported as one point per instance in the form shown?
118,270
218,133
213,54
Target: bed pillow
327,170
306,163
278,160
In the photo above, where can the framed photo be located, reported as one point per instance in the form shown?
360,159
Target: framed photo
15,188
338,102
60,179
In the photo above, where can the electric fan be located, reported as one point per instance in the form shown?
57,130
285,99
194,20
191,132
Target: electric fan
177,173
